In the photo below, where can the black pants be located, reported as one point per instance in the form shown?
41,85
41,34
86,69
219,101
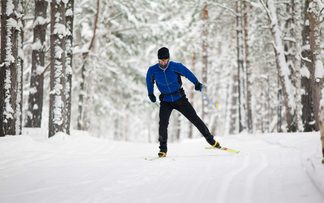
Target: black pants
184,107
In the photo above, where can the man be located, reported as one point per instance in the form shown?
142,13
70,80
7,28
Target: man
167,75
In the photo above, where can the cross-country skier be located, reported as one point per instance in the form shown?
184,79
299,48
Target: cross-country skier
167,75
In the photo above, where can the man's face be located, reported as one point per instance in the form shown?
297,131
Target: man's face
163,62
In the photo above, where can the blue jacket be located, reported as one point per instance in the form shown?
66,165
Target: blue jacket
168,80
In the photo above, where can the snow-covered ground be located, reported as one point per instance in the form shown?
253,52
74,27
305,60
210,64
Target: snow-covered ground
280,168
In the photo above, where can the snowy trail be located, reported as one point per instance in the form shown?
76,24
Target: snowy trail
270,168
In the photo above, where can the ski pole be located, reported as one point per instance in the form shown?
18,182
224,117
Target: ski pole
205,96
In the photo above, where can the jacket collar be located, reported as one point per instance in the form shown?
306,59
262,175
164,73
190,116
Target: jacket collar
164,69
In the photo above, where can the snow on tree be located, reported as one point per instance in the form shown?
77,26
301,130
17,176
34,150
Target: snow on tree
35,99
110,79
306,80
9,73
69,13
285,73
57,104
314,12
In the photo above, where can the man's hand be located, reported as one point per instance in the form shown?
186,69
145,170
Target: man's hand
152,98
198,86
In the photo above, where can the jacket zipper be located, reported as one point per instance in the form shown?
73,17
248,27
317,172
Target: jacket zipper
166,80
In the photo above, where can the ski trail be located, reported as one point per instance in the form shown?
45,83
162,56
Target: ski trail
79,169
223,193
244,181
313,174
252,177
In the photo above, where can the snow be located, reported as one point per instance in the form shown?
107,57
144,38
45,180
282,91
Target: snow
37,45
319,70
12,23
10,7
61,30
315,6
81,168
58,52
304,72
40,20
69,12
39,69
57,111
284,71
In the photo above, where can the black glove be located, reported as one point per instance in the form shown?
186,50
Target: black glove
198,86
152,98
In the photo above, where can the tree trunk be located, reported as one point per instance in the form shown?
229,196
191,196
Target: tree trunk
240,61
306,83
35,99
8,75
290,47
248,70
83,122
175,136
58,72
81,125
288,89
313,15
69,59
204,57
233,107
2,67
191,95
20,69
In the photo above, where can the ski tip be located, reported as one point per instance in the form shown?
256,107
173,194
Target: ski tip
224,149
153,158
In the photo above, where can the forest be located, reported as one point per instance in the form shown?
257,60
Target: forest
81,64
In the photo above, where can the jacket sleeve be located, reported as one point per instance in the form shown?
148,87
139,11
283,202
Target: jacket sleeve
183,70
149,81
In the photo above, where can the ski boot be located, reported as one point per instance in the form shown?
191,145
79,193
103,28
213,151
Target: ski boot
216,144
162,154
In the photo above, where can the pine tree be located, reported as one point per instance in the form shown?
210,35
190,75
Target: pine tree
57,114
247,65
204,57
307,100
9,74
69,13
35,99
313,15
314,10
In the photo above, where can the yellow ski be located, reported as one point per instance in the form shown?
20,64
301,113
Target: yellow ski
234,151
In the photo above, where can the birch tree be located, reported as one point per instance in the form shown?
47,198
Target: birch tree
83,120
291,39
283,69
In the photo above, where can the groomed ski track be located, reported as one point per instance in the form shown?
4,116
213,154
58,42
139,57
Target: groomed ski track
270,168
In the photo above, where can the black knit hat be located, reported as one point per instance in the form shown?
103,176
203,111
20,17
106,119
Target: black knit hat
163,53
